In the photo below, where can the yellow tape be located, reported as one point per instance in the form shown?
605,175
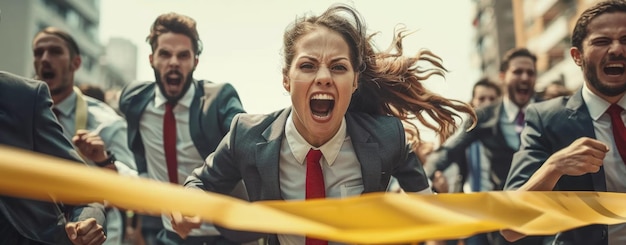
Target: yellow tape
368,219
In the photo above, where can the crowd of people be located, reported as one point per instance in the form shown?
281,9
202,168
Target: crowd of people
351,129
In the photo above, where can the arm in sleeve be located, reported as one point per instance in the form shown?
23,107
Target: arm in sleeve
534,151
228,105
452,150
115,138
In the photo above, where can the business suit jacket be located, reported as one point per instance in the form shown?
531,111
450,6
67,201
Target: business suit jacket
251,151
550,127
211,112
27,122
495,146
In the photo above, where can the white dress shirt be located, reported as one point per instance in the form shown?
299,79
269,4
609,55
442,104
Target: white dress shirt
341,168
614,168
151,130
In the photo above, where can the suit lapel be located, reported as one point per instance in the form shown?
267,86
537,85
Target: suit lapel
578,114
136,108
367,153
194,119
268,157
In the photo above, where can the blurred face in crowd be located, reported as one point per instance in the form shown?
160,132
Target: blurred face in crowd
173,61
519,79
54,64
320,80
484,95
603,56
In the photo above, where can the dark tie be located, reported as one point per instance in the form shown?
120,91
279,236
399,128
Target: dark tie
314,184
56,112
519,122
169,142
475,170
619,130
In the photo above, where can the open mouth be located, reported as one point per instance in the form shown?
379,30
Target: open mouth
47,74
322,105
614,69
174,78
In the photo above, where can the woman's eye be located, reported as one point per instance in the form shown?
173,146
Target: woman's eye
307,66
340,68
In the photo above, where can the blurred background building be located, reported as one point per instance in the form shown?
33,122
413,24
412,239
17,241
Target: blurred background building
22,19
543,26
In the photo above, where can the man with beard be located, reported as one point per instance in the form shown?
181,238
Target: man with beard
95,128
176,121
578,143
498,127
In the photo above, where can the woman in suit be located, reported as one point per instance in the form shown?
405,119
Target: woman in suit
348,104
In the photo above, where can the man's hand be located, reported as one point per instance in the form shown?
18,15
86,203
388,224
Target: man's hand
184,224
511,235
440,183
585,155
90,145
86,232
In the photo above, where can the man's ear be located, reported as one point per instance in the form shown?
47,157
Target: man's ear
76,61
576,56
195,62
286,84
150,58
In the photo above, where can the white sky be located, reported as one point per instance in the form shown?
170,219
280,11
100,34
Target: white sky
242,38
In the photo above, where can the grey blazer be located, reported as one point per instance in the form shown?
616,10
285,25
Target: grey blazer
551,126
251,151
489,132
212,110
27,122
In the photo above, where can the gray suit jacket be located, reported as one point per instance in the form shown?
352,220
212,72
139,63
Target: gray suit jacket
27,122
489,132
251,151
212,110
551,126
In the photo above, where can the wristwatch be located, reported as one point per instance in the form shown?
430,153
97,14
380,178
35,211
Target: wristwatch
109,160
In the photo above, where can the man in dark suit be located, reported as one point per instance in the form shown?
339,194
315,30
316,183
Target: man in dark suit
199,113
27,122
497,128
578,143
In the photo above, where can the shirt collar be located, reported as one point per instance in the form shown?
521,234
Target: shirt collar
597,105
160,100
66,106
511,109
300,147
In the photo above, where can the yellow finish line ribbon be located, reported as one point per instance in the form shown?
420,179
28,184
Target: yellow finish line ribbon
381,218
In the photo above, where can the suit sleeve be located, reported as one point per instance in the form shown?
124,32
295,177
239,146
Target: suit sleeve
452,150
49,139
410,172
228,106
534,151
219,173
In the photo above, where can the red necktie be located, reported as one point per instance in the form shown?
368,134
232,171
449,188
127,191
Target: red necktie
314,185
169,142
619,130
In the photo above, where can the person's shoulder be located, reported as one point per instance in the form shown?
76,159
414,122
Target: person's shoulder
18,82
101,111
373,121
258,119
551,108
135,87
